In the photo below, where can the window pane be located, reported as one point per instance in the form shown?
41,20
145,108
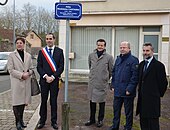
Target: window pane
83,42
153,39
130,34
151,29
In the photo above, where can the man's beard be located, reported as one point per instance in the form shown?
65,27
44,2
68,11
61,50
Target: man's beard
146,57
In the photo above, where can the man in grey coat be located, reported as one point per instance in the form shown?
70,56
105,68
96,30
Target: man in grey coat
100,65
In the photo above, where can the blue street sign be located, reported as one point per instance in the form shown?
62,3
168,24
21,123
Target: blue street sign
71,11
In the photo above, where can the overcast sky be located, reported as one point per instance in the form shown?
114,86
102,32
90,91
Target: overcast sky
47,4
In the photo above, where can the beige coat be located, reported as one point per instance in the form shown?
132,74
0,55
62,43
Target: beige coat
21,89
100,73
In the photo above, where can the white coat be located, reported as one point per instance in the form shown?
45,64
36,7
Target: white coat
21,89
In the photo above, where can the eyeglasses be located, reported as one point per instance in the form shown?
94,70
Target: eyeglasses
49,38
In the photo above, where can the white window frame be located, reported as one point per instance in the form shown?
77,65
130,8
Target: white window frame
159,41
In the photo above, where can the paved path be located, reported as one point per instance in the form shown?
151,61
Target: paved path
79,111
7,121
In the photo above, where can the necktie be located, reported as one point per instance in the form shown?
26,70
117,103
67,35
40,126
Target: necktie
146,65
50,51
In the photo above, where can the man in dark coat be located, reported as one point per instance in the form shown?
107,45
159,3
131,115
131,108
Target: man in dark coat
124,83
152,86
50,66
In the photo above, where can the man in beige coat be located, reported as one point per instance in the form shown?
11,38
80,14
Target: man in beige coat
19,67
100,65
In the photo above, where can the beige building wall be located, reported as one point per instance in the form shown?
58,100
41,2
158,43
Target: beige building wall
122,5
122,19
117,13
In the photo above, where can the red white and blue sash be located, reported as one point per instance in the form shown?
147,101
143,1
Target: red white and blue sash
49,59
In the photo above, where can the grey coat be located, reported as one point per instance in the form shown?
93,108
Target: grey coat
100,73
21,89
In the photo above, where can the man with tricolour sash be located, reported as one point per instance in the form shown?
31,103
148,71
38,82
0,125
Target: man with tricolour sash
50,65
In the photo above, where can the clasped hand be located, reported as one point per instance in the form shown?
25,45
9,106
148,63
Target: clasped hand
25,75
49,79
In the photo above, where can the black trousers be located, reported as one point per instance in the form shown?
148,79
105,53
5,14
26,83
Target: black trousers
18,113
45,89
149,123
93,111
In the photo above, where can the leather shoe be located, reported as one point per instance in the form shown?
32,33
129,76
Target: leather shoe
23,125
18,126
99,124
88,123
54,125
111,128
40,125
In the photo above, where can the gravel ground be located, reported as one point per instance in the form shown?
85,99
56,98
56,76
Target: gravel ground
79,110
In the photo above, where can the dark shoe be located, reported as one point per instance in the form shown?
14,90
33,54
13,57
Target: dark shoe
127,129
99,124
40,126
88,123
23,125
111,128
54,126
18,126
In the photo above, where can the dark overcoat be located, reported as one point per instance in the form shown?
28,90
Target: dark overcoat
152,86
43,66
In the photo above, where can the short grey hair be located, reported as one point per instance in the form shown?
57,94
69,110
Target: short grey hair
127,43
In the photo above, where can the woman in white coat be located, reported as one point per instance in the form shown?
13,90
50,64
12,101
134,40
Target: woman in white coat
20,69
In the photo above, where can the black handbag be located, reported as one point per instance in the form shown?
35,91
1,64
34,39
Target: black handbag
35,89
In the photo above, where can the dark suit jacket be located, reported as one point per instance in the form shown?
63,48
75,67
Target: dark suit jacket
44,68
152,86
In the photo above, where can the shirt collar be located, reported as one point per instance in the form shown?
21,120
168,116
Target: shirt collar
149,60
51,47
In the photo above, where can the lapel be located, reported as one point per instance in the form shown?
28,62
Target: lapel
96,57
149,67
25,57
18,56
54,52
141,74
100,56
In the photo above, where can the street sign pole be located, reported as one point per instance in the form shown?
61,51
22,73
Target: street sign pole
65,105
67,60
67,11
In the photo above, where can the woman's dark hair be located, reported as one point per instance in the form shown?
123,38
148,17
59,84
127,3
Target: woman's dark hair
101,40
20,38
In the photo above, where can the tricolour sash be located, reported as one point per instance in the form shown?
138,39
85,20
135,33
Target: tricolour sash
49,59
